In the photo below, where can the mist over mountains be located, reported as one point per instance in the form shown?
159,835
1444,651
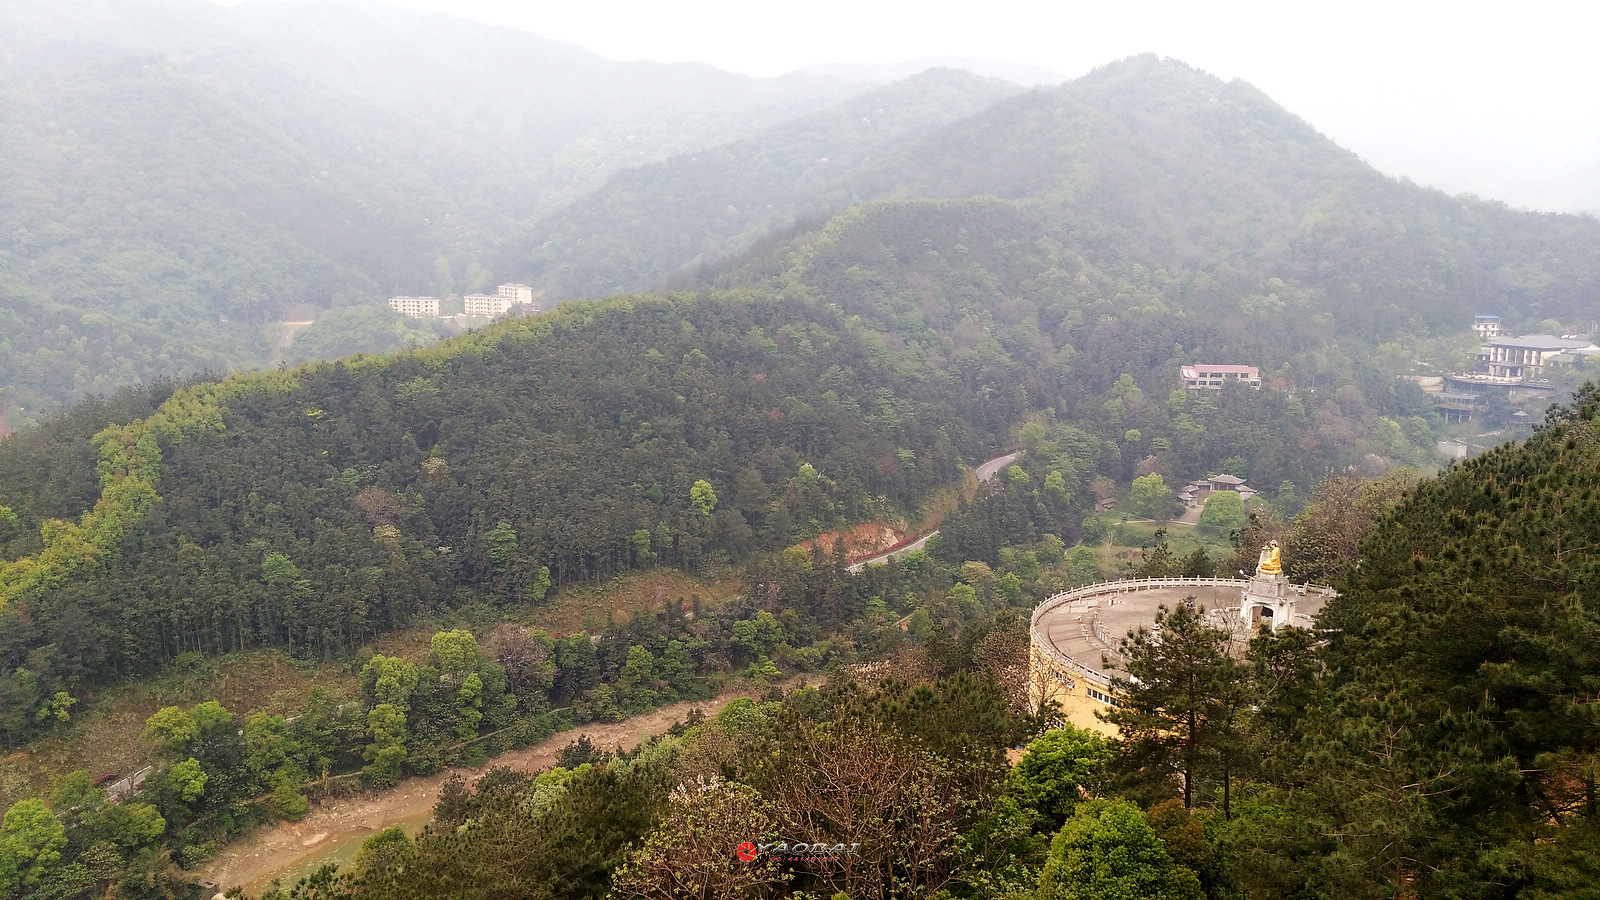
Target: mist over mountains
653,222
180,176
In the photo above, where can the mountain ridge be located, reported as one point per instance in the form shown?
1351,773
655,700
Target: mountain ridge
1223,175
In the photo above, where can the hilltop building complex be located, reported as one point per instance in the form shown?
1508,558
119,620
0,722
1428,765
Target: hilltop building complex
1513,368
503,300
1526,357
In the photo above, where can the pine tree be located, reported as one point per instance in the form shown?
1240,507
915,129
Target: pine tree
1462,664
1181,705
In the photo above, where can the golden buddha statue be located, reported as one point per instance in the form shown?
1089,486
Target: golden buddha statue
1271,560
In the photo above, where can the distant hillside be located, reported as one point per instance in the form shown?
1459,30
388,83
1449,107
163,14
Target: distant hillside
652,222
175,174
1145,161
1207,191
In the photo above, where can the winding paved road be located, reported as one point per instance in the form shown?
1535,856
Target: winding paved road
986,472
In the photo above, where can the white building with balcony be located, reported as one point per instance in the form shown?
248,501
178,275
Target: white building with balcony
485,305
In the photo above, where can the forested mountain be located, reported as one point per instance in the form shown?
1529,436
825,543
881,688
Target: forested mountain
667,218
1437,738
1210,187
175,174
176,177
318,508
1209,191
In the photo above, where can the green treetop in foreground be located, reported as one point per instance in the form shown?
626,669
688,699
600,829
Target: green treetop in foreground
1107,851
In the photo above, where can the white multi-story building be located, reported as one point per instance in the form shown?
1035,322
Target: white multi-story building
416,307
485,305
519,293
1486,326
1210,377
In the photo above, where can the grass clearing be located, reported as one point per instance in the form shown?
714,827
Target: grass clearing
1126,536
940,504
585,608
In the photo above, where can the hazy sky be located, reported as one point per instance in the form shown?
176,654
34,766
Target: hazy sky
1501,99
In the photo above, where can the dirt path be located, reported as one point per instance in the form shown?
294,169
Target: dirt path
268,851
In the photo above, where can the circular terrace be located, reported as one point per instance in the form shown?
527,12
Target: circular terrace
1075,634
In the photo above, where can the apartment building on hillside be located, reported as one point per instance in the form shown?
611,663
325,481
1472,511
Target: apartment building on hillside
519,293
416,307
485,305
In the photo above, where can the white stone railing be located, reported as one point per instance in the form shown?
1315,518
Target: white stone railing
1103,635
1116,588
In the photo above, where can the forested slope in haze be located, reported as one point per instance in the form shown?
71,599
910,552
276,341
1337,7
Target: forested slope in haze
580,444
650,222
175,174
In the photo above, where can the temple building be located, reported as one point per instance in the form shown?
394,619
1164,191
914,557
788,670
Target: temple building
1195,492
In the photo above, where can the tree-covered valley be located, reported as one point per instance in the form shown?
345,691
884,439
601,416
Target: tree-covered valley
838,302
